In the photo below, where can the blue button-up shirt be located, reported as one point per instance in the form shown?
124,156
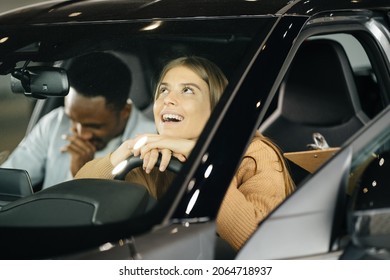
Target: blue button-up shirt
40,151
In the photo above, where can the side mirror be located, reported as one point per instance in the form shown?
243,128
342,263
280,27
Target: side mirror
40,81
369,218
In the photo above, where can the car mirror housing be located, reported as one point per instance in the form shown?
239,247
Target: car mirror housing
40,81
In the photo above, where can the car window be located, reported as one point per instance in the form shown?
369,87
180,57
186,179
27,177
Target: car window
365,76
146,46
366,179
15,112
331,89
368,203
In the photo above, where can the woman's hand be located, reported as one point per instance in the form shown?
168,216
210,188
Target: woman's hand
150,159
123,152
181,148
150,146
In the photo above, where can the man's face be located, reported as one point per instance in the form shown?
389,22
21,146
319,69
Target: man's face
92,120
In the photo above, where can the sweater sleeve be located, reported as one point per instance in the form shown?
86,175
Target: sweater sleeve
257,188
99,168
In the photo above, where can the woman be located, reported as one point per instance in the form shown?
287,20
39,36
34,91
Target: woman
187,92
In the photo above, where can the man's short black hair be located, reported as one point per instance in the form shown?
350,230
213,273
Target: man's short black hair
101,74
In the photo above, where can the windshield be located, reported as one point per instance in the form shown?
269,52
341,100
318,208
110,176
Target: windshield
145,47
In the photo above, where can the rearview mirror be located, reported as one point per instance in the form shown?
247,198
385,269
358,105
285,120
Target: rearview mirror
40,81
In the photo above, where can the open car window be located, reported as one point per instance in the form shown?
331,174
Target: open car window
332,89
145,46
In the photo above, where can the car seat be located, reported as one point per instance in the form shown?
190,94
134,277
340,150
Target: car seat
318,94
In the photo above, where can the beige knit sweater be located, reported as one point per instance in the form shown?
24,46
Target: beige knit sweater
256,189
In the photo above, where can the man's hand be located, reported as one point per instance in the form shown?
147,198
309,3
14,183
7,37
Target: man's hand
81,152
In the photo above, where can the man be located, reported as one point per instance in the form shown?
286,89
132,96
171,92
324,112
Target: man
96,118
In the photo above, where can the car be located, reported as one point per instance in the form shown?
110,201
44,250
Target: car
313,76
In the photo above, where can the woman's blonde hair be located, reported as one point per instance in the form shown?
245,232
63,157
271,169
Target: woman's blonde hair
205,69
290,185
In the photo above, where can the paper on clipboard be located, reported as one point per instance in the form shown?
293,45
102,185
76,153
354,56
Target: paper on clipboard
311,160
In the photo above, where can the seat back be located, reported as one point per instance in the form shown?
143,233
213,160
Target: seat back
318,94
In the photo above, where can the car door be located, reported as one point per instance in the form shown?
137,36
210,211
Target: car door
312,222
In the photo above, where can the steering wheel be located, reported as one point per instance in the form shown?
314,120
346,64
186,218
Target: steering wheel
133,162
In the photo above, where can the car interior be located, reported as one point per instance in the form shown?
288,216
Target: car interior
317,95
16,184
144,63
321,93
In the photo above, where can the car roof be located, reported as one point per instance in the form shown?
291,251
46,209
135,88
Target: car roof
91,10
103,10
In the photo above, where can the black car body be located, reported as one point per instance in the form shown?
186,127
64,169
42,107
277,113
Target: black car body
267,49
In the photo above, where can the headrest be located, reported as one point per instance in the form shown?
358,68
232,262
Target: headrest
319,87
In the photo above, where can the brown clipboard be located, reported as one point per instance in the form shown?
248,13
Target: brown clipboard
311,160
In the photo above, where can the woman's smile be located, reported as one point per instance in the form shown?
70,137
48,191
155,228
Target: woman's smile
182,106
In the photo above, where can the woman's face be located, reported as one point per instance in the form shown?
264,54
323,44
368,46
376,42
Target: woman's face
183,104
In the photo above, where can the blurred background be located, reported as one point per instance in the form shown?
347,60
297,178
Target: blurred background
7,5
15,109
